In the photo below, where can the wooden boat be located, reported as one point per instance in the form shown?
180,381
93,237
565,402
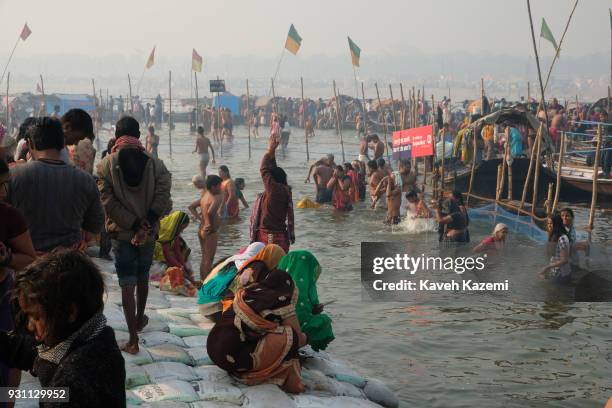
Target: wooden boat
577,182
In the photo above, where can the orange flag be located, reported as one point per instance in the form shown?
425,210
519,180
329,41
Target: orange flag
196,61
25,32
151,59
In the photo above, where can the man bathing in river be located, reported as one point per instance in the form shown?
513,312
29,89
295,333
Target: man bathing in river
375,176
363,150
322,171
201,147
393,193
211,202
376,145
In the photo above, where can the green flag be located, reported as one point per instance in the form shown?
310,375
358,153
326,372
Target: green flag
294,41
547,34
355,52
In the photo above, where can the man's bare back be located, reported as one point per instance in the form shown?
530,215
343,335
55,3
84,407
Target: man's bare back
322,174
202,144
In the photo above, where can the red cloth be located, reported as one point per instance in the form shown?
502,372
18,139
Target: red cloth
279,238
127,141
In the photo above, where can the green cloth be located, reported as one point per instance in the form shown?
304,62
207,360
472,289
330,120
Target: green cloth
212,291
305,270
169,230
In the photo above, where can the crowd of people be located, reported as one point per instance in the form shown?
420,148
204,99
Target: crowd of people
54,204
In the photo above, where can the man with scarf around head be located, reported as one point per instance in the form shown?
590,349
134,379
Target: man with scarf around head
135,192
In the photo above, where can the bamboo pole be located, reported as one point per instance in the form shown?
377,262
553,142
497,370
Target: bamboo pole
534,149
595,174
498,182
383,119
403,111
559,167
304,120
338,120
197,100
8,110
274,107
170,110
510,180
248,115
537,58
365,113
536,177
472,170
130,90
97,111
504,164
416,107
528,91
395,124
549,198
44,99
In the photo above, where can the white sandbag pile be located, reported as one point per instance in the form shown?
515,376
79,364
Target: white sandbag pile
173,369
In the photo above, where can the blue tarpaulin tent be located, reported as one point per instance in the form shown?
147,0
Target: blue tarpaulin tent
70,101
227,100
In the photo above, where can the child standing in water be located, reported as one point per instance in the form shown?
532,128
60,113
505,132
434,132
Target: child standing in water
210,223
69,344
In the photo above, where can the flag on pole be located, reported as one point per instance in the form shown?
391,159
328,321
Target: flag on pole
355,52
25,32
547,34
196,61
151,59
294,41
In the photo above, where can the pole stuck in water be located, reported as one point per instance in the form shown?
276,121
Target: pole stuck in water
536,178
559,167
8,110
304,120
531,164
130,90
44,99
170,110
403,111
395,124
383,119
549,199
595,174
197,99
248,114
338,120
365,113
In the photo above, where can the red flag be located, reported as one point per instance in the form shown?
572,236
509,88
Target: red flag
25,32
151,59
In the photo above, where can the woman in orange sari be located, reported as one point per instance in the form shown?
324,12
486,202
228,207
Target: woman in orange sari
258,337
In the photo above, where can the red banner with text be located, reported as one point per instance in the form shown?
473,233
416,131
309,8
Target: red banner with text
411,143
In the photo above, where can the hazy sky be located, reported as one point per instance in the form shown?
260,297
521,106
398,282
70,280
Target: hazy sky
249,27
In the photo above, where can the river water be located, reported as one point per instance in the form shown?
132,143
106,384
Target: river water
442,351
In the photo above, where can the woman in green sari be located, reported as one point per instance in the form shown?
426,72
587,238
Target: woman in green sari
305,270
170,247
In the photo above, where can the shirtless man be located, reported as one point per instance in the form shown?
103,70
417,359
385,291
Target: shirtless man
359,125
151,142
309,129
226,120
210,223
323,172
394,200
201,147
375,176
556,126
363,150
377,146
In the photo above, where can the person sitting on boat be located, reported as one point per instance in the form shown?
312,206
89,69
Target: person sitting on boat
495,241
170,247
257,339
305,270
514,137
559,269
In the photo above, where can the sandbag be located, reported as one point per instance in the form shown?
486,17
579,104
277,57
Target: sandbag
142,357
311,401
378,392
357,381
170,352
266,396
199,355
328,367
155,326
135,376
170,370
164,391
171,318
186,330
214,404
195,341
213,373
198,318
166,404
179,311
211,391
157,338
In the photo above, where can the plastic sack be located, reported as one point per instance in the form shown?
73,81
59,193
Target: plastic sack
179,311
266,396
378,392
211,391
170,352
213,373
195,341
307,203
199,355
186,330
142,357
164,391
169,370
311,401
156,338
135,376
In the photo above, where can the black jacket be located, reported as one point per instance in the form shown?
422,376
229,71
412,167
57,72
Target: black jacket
93,371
